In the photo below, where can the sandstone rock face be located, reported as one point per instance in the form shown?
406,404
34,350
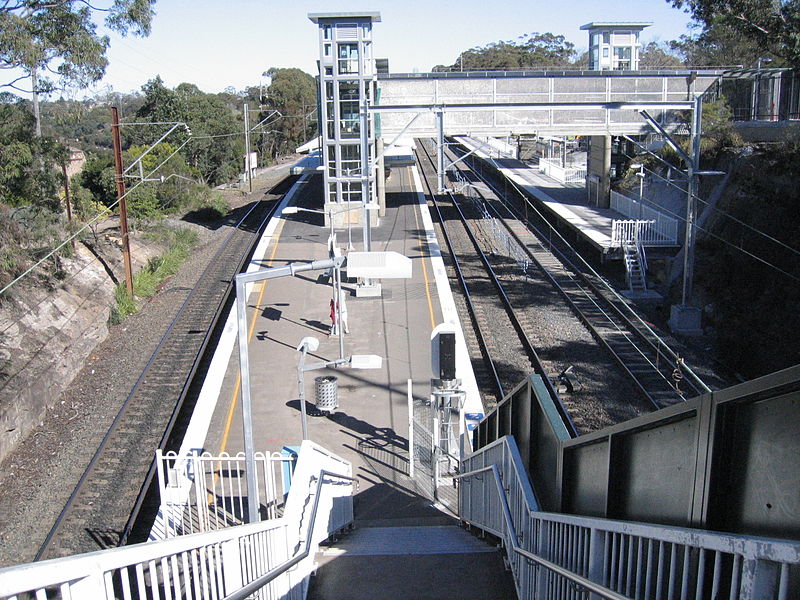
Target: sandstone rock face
47,332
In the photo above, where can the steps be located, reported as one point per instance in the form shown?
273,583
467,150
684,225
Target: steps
421,561
633,268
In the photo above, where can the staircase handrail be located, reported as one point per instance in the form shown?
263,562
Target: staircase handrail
275,572
759,568
510,539
213,562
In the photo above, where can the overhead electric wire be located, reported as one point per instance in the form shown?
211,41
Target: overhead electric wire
88,224
715,209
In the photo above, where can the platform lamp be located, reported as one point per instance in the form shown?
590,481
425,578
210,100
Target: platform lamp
310,344
640,175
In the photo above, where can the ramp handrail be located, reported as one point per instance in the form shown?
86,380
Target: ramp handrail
216,564
616,560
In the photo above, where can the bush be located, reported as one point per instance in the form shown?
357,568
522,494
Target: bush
146,283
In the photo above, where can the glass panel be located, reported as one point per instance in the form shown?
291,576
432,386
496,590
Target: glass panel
331,161
326,32
351,160
348,90
348,58
623,53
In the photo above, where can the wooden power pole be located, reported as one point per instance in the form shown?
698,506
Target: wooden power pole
123,210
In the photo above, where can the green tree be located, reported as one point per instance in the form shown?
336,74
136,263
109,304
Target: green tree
23,177
768,26
98,177
37,34
39,38
529,51
719,45
659,56
216,148
293,93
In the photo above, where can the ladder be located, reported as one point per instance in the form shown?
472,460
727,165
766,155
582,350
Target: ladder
635,267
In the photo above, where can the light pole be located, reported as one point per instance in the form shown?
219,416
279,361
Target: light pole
640,175
310,344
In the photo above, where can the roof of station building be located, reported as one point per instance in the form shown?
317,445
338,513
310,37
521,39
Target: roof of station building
375,17
623,24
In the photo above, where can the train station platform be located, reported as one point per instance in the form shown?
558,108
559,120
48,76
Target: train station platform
566,201
370,427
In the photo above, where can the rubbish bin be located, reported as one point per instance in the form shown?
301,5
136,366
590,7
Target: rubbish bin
327,394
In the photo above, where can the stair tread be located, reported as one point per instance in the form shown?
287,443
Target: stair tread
387,541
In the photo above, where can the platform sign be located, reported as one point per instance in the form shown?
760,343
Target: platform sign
378,265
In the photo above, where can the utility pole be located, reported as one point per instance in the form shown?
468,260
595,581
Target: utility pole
66,196
123,209
247,165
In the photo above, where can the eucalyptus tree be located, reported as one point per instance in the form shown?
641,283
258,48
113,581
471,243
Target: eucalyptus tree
50,43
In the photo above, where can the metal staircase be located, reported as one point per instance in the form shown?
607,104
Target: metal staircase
635,267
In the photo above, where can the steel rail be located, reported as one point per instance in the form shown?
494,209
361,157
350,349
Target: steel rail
530,350
484,346
165,438
119,418
659,347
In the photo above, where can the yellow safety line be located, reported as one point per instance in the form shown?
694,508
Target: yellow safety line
238,385
424,268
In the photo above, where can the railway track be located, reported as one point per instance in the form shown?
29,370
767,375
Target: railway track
505,343
518,255
104,504
658,372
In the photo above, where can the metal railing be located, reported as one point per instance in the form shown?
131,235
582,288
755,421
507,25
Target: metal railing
633,233
201,492
663,231
558,556
552,168
272,556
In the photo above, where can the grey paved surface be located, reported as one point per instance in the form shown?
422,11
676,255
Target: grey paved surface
370,427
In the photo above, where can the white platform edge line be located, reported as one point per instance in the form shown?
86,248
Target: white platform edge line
473,403
197,430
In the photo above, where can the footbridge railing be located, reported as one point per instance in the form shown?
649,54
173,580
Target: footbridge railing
273,556
559,556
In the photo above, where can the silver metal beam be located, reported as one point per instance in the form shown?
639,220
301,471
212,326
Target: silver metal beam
672,143
466,107
241,280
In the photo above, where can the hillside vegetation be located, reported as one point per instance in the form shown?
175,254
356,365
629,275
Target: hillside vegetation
753,303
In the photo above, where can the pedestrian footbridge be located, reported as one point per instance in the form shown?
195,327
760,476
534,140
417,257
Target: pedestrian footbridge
498,103
306,546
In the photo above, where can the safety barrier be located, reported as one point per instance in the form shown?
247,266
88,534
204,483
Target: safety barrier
558,556
662,232
201,492
552,168
274,556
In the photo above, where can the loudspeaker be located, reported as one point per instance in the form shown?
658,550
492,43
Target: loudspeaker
447,356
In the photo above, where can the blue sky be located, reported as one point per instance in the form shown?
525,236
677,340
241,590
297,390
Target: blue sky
220,43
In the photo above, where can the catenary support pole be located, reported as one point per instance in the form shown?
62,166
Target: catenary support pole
123,207
248,167
691,190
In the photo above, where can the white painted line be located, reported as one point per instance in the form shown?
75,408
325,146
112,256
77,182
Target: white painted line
472,403
196,432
